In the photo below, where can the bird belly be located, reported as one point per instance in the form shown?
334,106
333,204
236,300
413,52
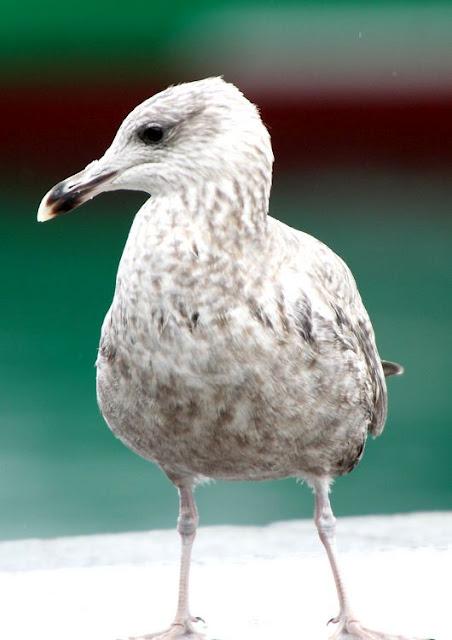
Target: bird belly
244,414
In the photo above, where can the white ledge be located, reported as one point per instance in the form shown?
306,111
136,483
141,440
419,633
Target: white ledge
249,583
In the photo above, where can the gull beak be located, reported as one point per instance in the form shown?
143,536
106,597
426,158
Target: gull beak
74,191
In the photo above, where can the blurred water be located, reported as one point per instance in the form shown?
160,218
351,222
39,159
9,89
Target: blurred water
62,472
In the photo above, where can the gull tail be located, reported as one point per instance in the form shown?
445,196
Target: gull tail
392,368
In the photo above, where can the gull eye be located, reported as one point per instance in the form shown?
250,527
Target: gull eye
150,134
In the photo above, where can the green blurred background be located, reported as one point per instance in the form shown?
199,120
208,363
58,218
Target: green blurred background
358,98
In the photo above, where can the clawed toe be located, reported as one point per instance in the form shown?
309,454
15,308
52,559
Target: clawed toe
175,632
350,629
170,634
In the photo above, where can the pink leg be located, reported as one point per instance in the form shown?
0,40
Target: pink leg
326,527
186,526
349,628
182,627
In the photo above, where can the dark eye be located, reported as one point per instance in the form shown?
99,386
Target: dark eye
150,134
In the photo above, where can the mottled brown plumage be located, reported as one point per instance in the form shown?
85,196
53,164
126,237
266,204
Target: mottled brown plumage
235,347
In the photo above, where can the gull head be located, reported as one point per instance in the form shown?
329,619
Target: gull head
180,138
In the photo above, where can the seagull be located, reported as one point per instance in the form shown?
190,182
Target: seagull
235,347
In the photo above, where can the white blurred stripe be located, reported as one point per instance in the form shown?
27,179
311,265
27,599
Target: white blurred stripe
387,48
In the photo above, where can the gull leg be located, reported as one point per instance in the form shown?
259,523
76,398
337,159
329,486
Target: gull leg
186,525
349,628
326,527
182,627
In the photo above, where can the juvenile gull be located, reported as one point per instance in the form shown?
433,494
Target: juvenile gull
235,347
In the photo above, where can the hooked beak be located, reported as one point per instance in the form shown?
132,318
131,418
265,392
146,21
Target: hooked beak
74,191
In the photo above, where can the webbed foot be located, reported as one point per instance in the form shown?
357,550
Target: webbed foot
351,629
177,631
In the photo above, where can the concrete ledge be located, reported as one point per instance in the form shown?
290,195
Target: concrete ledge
249,583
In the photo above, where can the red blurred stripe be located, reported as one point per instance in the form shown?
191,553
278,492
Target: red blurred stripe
66,127
414,132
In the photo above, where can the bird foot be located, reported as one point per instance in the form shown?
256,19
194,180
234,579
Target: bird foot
177,631
350,629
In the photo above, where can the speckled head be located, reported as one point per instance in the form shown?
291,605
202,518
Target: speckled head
186,135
